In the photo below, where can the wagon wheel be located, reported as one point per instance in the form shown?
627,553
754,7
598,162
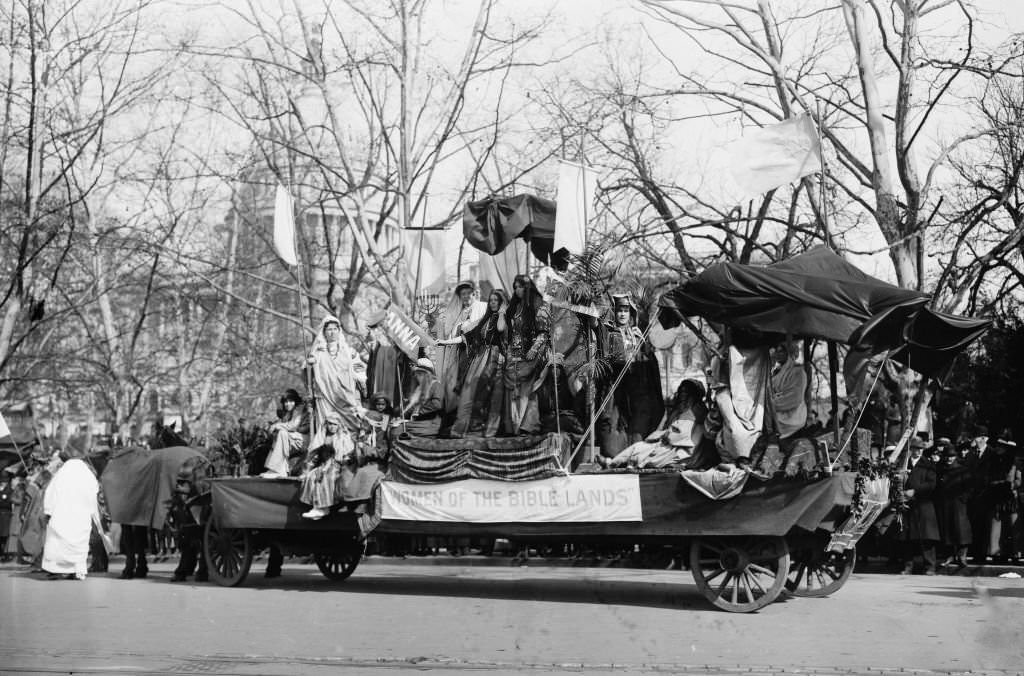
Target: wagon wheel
228,553
740,574
339,565
815,572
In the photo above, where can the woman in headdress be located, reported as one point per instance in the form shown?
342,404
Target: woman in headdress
323,467
638,404
451,356
525,325
335,392
480,392
422,410
379,417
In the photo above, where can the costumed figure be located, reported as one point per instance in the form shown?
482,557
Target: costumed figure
423,408
323,467
740,383
334,378
637,403
452,355
788,385
289,435
387,367
379,417
525,326
481,389
676,439
71,504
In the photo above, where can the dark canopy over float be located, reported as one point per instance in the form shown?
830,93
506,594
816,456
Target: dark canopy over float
817,294
491,224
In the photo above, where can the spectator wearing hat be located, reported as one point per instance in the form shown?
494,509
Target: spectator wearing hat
424,406
921,527
954,490
1002,481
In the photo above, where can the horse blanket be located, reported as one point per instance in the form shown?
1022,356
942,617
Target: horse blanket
138,484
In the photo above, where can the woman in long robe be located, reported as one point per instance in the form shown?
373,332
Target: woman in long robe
480,393
525,325
451,356
638,404
71,504
334,382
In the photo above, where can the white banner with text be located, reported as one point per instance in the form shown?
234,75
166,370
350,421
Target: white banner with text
578,498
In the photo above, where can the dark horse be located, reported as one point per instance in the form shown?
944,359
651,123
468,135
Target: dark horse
135,539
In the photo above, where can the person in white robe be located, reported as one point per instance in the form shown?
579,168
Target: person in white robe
71,504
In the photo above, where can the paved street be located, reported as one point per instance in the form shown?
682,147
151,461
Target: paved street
450,619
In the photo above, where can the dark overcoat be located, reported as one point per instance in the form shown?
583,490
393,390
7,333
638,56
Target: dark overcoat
955,485
921,522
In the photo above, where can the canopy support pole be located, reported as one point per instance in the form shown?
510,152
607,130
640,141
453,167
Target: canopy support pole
833,387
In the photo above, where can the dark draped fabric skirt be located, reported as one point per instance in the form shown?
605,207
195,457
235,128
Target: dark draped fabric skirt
477,413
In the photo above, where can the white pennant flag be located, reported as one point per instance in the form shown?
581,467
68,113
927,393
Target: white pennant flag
284,226
5,431
576,187
775,155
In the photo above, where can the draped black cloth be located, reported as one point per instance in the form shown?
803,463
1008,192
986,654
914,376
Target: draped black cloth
491,224
817,294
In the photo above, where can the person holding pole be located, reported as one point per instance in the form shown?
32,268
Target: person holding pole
332,375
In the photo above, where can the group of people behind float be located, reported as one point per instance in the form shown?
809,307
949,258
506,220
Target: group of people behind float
494,372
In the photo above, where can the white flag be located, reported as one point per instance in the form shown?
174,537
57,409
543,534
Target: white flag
5,431
775,155
284,226
575,199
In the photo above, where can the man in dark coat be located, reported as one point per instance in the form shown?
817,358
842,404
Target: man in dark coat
921,530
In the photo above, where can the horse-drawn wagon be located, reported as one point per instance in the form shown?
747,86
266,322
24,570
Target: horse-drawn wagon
792,531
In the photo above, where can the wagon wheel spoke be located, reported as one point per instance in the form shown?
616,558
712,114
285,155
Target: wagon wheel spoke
747,590
755,581
715,575
761,569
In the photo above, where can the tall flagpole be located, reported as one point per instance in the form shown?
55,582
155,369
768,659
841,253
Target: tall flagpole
306,368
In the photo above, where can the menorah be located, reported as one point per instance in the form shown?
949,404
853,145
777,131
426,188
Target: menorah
427,304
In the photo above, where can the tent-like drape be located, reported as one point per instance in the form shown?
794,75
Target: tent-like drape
492,224
817,294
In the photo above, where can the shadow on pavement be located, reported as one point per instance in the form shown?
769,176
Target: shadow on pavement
1011,593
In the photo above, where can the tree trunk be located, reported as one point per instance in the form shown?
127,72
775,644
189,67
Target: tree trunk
887,212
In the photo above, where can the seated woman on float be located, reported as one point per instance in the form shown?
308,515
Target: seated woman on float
289,435
675,441
323,467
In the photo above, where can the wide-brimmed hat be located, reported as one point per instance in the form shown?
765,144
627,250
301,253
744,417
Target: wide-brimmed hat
424,364
467,284
378,396
1008,444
